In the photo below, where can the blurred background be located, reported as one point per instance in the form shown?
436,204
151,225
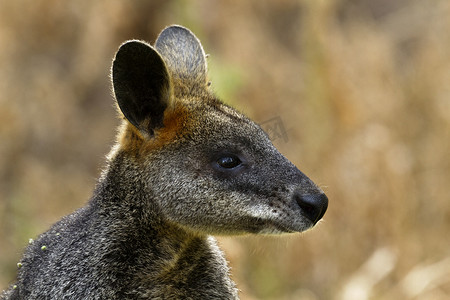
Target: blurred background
360,90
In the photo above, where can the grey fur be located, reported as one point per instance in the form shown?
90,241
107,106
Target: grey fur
185,166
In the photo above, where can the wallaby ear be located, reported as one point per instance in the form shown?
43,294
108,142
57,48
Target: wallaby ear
141,84
183,54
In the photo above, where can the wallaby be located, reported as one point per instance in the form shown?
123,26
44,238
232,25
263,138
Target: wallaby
185,166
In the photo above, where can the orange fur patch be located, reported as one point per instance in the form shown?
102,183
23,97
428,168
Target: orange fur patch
175,123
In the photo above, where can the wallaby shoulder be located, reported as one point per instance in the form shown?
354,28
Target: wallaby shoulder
120,257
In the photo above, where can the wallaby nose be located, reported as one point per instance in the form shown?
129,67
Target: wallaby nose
313,206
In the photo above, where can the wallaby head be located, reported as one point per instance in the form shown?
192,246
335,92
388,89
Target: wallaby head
204,166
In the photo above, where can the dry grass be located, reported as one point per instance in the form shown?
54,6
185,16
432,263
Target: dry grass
362,88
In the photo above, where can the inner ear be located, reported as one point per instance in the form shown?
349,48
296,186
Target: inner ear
142,85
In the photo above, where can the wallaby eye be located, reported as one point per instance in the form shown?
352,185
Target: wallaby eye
229,161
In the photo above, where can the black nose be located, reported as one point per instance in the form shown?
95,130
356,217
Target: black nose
313,206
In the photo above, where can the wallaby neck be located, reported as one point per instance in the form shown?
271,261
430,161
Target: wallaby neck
146,249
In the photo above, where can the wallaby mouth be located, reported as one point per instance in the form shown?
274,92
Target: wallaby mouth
303,212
